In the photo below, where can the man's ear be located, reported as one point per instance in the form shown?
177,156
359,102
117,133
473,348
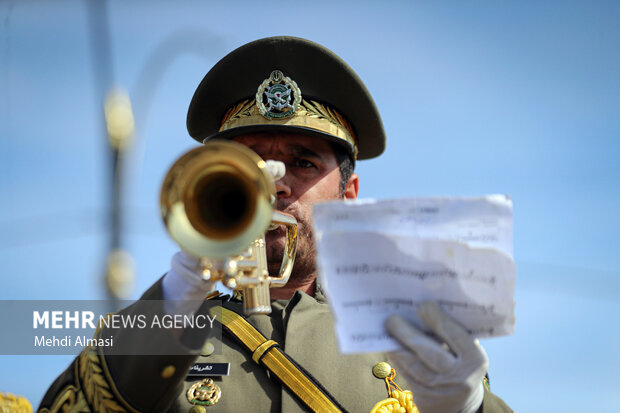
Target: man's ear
352,187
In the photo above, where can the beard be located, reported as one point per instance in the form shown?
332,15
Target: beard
305,254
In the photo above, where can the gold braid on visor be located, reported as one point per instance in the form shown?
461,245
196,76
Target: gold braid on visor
311,114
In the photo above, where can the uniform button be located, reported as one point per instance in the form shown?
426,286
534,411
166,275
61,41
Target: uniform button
207,349
168,372
381,370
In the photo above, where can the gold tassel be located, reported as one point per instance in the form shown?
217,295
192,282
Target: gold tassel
398,401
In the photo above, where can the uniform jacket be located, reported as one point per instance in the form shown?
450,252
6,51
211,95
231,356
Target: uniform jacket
303,327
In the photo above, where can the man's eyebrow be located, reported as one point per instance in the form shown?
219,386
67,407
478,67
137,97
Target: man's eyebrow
296,150
303,151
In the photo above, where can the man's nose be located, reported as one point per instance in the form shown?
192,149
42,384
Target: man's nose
283,187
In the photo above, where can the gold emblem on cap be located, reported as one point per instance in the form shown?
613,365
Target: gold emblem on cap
204,393
278,96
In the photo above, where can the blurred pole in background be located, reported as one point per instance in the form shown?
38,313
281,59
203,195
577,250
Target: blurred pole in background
119,129
121,123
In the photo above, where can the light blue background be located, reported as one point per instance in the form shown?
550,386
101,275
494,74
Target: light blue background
477,97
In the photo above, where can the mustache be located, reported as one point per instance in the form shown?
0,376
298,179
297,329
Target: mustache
282,205
291,209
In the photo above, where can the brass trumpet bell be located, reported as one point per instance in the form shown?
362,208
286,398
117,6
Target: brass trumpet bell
217,202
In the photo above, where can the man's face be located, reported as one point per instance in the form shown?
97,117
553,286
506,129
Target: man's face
312,175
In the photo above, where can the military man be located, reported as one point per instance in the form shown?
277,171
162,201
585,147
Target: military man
293,101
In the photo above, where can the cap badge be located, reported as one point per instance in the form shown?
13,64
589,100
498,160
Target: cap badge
278,96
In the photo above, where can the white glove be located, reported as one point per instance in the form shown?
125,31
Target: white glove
183,287
276,169
444,373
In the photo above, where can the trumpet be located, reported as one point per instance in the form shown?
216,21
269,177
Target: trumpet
217,202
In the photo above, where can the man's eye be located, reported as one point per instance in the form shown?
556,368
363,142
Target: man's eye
304,163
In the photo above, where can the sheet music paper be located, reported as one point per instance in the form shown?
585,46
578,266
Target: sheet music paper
377,258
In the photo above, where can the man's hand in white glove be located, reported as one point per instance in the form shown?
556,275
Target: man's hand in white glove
184,289
444,373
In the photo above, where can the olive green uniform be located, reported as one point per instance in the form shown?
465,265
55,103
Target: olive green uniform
303,326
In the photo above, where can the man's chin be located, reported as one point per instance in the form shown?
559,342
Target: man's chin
276,244
274,268
275,252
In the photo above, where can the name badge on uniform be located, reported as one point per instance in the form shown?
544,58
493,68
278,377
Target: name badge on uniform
209,369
